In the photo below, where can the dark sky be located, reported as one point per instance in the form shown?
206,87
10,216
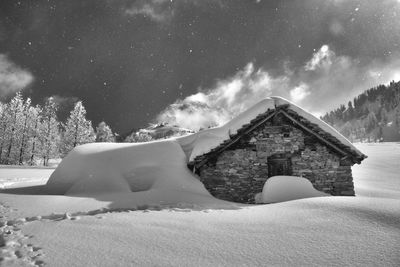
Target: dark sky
129,60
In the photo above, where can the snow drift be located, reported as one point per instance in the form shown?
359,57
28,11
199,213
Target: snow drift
102,168
285,188
362,230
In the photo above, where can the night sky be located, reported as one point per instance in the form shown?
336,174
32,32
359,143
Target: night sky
130,60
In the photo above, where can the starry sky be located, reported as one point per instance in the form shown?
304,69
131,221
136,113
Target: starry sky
194,62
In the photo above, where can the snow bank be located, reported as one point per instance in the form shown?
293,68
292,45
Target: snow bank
363,230
329,231
285,188
202,142
104,168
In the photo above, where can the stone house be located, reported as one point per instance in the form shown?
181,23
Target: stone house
279,141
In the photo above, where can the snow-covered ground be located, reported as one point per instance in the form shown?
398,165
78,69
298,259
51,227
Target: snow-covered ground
23,176
93,227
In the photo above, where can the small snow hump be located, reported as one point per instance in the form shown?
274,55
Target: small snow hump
285,188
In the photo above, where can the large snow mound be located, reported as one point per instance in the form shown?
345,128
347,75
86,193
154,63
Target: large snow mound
202,142
104,168
285,188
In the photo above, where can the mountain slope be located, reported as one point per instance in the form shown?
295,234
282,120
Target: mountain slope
373,115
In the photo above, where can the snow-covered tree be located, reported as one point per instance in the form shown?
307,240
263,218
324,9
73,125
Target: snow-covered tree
78,130
49,132
13,126
104,133
3,126
23,134
138,137
34,134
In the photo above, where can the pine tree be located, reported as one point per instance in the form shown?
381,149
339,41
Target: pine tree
49,132
371,121
13,124
397,116
350,111
3,125
23,133
104,133
34,133
138,137
78,130
384,116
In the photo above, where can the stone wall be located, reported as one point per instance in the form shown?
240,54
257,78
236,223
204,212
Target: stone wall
236,176
272,140
239,174
324,169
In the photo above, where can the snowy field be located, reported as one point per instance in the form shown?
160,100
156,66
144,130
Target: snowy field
158,225
23,176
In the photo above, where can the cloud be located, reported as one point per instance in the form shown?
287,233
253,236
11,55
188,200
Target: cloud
299,92
156,10
64,103
321,59
12,77
324,82
163,11
226,99
336,79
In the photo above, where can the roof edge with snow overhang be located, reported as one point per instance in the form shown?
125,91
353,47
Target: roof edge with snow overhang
200,151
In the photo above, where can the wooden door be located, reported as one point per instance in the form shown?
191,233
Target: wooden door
279,166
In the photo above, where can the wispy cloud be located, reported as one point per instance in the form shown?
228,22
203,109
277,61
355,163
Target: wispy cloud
156,10
321,84
320,59
163,11
64,102
12,77
334,79
225,100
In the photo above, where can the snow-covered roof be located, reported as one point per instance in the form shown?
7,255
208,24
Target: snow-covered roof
204,141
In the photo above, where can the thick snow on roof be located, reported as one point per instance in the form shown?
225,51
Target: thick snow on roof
323,125
202,142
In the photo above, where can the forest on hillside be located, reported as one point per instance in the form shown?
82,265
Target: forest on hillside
373,116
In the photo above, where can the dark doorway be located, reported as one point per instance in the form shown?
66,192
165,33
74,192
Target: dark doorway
279,166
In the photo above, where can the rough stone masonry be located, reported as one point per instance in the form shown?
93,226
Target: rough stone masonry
275,148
